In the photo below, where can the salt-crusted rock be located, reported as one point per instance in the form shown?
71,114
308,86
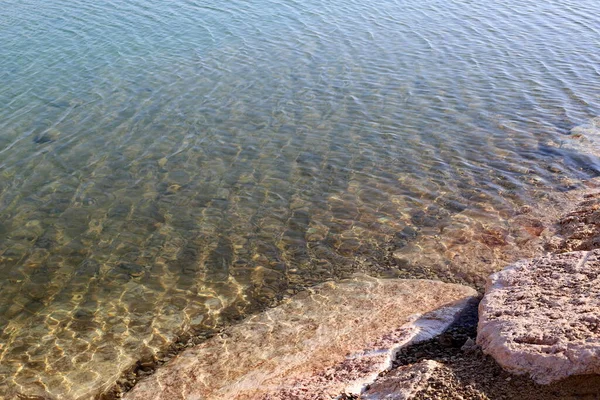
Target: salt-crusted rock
542,316
402,383
329,340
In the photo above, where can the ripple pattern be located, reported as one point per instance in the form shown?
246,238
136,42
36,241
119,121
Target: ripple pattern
170,167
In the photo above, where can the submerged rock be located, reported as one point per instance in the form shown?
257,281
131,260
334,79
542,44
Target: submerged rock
542,316
48,136
329,340
589,131
579,229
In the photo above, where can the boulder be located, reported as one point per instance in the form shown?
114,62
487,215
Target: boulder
332,339
542,316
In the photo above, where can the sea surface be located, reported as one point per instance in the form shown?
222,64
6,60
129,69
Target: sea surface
170,167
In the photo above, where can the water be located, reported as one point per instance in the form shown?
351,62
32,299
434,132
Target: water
167,167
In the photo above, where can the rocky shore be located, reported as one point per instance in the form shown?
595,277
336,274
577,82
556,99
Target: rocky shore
537,326
382,339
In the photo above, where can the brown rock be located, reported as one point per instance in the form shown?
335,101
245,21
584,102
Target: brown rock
330,340
580,228
542,316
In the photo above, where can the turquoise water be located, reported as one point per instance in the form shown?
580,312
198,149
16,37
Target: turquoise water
167,167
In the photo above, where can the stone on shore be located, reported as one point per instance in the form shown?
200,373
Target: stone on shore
541,317
329,340
403,382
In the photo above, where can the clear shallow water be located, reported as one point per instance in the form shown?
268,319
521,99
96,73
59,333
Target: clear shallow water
165,166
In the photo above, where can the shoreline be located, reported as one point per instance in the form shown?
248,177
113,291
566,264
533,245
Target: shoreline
443,347
441,242
468,373
475,375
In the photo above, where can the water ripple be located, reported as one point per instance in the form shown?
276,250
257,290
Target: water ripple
169,167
